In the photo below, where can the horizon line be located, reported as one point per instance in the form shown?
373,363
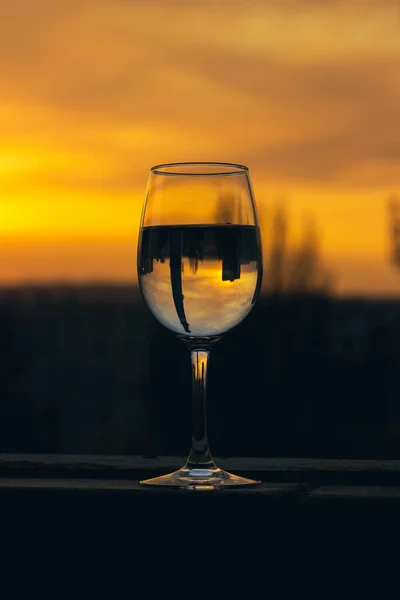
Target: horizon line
104,283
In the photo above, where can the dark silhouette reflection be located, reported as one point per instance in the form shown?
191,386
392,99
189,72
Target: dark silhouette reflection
155,247
235,244
193,248
175,266
199,261
230,255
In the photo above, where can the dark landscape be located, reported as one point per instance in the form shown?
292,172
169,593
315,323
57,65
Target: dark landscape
87,369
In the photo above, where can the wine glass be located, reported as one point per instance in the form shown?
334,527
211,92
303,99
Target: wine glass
200,272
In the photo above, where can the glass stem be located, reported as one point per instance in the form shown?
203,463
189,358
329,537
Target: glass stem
200,455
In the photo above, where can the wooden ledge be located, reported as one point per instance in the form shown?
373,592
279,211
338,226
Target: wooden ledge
284,480
291,470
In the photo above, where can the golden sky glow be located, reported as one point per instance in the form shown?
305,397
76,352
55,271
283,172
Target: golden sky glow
306,93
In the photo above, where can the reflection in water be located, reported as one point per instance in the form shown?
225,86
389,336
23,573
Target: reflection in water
200,279
175,266
193,264
231,256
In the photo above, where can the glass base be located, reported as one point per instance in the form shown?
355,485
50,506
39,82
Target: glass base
199,479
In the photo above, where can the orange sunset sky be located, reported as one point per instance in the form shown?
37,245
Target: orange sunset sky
306,93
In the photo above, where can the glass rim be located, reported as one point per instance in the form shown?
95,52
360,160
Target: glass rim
183,169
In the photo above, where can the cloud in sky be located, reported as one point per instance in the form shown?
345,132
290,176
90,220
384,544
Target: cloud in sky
306,93
280,83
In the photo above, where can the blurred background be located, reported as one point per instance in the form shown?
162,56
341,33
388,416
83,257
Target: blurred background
307,95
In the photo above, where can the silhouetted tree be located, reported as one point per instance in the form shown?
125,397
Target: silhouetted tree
230,210
277,257
305,270
292,268
394,229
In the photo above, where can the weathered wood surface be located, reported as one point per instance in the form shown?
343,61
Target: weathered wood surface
304,470
166,462
283,479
